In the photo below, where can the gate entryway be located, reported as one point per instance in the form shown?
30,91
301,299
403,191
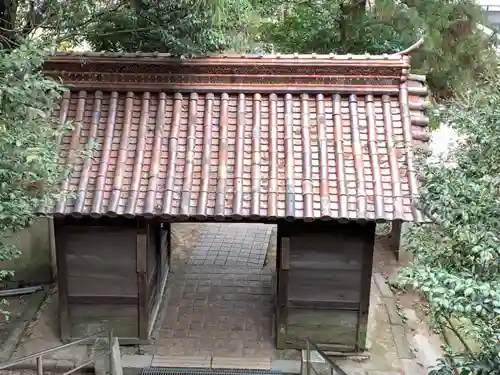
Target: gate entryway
219,291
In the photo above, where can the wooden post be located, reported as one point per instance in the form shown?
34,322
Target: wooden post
169,244
396,237
366,280
399,242
62,280
141,261
284,266
160,263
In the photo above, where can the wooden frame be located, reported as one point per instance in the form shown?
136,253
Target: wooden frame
147,241
62,284
162,236
287,271
142,283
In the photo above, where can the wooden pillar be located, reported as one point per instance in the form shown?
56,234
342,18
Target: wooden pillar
165,249
141,263
281,285
159,264
396,237
52,247
398,241
366,282
283,275
62,279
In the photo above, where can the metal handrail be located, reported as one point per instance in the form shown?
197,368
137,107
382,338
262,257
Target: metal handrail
39,356
334,368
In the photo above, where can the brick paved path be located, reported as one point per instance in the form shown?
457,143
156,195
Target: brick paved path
231,244
215,310
220,302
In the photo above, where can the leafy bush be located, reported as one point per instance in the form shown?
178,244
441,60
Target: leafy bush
457,256
29,153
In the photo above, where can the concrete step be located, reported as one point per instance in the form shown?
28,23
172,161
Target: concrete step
210,371
133,364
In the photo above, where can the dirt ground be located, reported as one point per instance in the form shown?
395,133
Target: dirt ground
15,307
427,345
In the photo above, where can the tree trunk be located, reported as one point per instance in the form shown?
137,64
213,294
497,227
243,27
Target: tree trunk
351,12
136,5
7,24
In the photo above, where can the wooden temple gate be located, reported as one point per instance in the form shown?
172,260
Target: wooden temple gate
307,143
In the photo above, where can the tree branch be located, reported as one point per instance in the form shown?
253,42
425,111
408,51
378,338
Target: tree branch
450,326
59,40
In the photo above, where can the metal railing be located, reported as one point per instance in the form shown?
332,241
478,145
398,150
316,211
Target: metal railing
39,356
333,368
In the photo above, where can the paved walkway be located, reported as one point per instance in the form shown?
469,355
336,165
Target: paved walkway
220,311
228,244
219,294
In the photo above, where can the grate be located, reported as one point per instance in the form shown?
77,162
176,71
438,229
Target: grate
204,371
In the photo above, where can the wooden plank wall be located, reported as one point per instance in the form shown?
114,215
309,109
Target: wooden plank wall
327,290
99,278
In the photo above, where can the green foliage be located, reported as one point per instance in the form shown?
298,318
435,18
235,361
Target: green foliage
327,26
29,154
457,257
20,20
455,50
179,27
176,27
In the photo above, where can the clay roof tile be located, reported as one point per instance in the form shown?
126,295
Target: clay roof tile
296,137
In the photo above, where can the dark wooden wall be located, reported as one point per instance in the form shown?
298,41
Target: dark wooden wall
112,274
108,276
324,278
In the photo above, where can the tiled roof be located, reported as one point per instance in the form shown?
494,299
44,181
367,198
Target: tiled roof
288,137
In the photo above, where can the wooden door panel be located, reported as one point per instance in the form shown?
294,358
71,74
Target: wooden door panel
319,290
323,284
101,264
326,326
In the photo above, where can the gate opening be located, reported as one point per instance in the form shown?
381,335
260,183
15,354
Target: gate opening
220,293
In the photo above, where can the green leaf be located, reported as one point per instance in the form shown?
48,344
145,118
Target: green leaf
29,169
31,158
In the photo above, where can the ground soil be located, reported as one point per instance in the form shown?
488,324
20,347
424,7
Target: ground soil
15,306
412,307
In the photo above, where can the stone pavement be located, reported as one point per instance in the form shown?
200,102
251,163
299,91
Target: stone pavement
231,244
217,310
219,295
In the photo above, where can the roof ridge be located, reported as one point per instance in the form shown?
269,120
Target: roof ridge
294,56
417,77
